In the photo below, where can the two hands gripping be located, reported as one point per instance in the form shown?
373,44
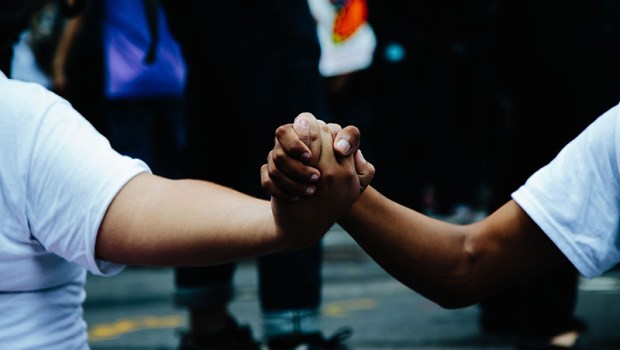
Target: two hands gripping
314,173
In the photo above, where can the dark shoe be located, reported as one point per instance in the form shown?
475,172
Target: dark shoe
235,337
539,344
311,341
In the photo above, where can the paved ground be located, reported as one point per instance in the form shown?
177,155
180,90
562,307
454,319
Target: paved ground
133,311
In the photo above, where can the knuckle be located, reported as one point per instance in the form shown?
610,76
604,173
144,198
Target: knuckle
273,173
282,130
278,157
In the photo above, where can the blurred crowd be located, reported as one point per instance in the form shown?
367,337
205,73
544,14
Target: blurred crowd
463,100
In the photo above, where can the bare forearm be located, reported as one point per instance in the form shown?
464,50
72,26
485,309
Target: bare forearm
155,221
425,254
453,265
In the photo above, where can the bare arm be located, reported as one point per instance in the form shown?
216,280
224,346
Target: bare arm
453,265
162,222
338,185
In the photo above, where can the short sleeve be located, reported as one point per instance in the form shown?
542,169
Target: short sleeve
575,199
73,177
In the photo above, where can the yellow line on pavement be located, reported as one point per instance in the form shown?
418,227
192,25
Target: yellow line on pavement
343,307
113,330
107,331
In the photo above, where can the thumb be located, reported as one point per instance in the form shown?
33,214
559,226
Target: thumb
365,170
307,128
346,140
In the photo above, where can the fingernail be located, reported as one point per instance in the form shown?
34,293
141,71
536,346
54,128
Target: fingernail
305,156
362,156
343,145
304,123
314,178
309,191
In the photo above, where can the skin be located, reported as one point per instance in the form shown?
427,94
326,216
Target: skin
65,43
452,265
162,222
156,221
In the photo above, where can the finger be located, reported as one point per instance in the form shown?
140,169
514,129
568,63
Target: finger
276,192
302,128
326,143
347,141
288,139
365,170
278,184
270,187
278,160
307,128
331,160
334,128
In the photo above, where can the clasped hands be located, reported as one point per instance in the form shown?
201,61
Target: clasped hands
314,173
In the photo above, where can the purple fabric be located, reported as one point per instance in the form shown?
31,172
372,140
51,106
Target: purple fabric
126,39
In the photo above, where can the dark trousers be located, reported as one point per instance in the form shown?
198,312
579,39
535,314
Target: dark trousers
151,129
252,66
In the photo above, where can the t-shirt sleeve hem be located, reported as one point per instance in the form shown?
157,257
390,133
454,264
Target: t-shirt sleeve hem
103,267
537,213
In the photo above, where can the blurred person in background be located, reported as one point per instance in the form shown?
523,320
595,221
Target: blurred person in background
559,71
543,225
78,67
347,47
72,204
143,81
33,52
491,91
258,62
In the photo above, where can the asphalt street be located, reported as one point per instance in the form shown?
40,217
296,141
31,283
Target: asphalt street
134,310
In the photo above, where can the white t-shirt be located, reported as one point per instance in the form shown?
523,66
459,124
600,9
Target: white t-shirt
340,57
57,178
575,199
